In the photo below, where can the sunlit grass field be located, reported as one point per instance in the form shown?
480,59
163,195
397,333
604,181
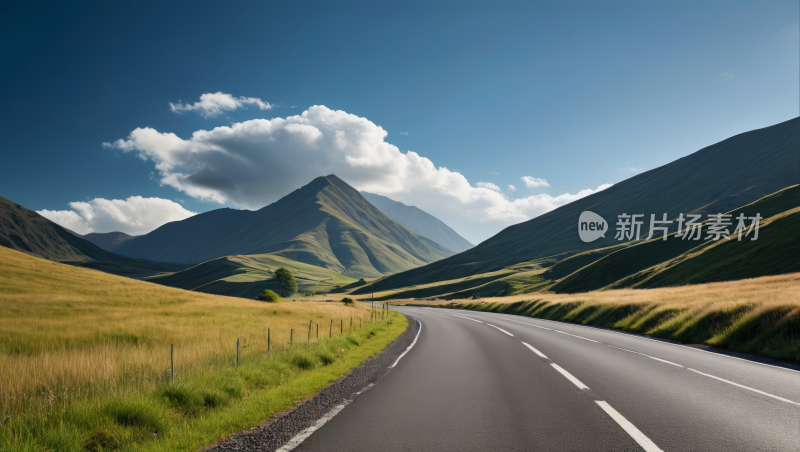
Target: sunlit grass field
83,352
759,315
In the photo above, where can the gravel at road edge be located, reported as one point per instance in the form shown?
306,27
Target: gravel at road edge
281,427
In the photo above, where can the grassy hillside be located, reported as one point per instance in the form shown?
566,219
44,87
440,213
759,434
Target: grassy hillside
83,352
720,177
758,316
640,264
24,230
776,251
326,223
248,276
420,222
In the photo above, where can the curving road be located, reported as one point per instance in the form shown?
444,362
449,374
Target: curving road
484,381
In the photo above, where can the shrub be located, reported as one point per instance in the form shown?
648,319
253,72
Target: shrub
269,296
101,441
348,301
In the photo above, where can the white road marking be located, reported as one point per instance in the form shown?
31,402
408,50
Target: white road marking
579,337
409,347
534,350
663,360
606,330
631,429
500,329
302,436
465,318
569,376
745,387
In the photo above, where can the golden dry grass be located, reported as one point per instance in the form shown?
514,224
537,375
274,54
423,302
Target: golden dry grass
68,332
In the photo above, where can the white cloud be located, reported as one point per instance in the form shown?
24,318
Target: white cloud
534,182
253,163
494,172
403,133
214,104
488,185
727,74
134,216
512,188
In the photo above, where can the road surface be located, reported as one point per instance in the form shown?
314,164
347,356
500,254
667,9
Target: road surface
483,382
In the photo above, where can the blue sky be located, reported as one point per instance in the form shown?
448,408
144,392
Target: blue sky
579,94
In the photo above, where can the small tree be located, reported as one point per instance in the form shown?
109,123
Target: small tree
269,296
348,301
286,279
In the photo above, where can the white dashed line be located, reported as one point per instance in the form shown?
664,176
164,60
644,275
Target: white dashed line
746,387
631,429
579,337
663,360
465,318
569,376
534,350
500,329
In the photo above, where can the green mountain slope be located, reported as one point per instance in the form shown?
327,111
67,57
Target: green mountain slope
729,173
248,276
420,222
617,267
326,223
24,230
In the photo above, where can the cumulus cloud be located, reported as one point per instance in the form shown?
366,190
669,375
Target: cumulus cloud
531,182
135,215
214,104
253,163
488,185
512,188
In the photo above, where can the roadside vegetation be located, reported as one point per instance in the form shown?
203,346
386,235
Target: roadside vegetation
85,359
756,316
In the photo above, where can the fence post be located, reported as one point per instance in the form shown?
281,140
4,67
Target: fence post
330,332
268,341
317,332
341,326
351,324
291,338
309,333
237,352
172,361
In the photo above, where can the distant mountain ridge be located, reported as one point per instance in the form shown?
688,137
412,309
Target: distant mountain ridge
109,241
326,223
24,230
420,222
714,179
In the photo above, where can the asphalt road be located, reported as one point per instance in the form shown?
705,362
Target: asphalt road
472,383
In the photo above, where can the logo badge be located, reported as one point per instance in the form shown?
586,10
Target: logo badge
591,226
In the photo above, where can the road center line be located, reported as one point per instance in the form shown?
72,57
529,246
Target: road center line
465,318
631,429
569,376
663,360
745,387
500,329
534,350
579,337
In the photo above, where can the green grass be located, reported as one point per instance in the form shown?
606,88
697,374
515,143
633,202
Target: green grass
191,413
